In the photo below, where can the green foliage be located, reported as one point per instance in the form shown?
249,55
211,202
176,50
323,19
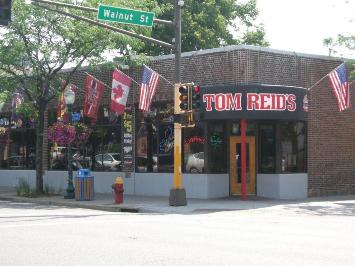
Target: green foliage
26,110
208,24
4,95
39,43
342,42
23,189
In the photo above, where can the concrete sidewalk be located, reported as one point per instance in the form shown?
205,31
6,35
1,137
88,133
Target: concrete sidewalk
152,204
142,204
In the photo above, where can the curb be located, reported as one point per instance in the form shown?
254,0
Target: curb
110,208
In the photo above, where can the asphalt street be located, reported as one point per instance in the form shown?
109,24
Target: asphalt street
292,234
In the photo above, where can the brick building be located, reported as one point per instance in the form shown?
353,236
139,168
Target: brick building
291,152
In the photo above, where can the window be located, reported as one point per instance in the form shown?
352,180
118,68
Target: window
155,139
193,149
17,144
102,152
217,147
267,148
293,142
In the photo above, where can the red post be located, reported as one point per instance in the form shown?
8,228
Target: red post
243,124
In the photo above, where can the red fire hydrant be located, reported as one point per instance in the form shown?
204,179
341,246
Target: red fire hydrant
118,189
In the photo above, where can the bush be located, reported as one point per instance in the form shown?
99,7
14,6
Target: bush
23,189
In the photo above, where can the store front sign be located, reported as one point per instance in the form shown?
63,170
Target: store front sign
127,140
254,102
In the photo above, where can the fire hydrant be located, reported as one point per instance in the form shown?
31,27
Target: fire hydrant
118,189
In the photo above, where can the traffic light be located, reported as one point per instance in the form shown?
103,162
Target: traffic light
184,98
195,97
5,12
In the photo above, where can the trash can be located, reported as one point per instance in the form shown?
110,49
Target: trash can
84,185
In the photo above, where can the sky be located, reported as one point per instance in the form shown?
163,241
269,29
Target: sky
301,25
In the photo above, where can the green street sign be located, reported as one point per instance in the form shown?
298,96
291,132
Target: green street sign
124,15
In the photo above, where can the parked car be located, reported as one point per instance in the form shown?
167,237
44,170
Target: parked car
111,160
195,163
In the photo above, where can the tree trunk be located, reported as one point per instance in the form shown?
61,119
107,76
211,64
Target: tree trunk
39,146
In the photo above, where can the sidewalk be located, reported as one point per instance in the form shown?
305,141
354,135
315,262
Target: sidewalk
144,204
141,204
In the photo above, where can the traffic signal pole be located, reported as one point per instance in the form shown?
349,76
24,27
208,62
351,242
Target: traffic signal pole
177,195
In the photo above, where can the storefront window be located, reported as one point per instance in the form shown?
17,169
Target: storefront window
166,148
17,144
293,141
267,148
102,152
155,139
217,147
193,143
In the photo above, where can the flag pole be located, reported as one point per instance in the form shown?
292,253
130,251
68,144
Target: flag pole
319,81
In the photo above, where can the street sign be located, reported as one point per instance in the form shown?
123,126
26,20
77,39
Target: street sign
124,15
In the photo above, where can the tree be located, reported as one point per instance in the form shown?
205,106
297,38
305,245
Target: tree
340,43
38,45
209,24
345,41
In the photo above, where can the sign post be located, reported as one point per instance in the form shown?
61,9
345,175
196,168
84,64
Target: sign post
125,15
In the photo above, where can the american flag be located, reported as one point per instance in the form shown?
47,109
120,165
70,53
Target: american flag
340,87
148,88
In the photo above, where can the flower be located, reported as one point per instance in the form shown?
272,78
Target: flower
62,134
82,133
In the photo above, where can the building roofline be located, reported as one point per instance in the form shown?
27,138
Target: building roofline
246,47
228,49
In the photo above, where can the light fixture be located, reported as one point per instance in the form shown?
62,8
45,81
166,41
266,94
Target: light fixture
69,96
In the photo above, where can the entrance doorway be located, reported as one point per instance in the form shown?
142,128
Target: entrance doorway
235,165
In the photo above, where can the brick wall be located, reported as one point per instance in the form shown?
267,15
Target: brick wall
331,143
331,150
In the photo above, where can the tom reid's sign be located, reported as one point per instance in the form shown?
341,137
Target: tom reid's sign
254,102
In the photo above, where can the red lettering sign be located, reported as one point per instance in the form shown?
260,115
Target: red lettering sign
255,102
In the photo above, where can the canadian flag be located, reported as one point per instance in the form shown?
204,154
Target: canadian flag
120,90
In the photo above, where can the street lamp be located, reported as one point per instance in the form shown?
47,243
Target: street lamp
69,98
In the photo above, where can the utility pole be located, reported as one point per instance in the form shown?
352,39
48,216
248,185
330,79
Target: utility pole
177,195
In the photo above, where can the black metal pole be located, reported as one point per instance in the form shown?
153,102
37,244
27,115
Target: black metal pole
70,188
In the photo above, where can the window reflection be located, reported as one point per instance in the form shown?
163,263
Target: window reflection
267,148
155,139
217,147
102,152
194,141
293,141
17,143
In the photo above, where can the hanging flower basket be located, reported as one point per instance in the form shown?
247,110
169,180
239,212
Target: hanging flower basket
82,133
62,134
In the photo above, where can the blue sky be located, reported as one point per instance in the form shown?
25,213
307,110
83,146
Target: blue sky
301,25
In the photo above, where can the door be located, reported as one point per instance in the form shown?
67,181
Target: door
235,165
